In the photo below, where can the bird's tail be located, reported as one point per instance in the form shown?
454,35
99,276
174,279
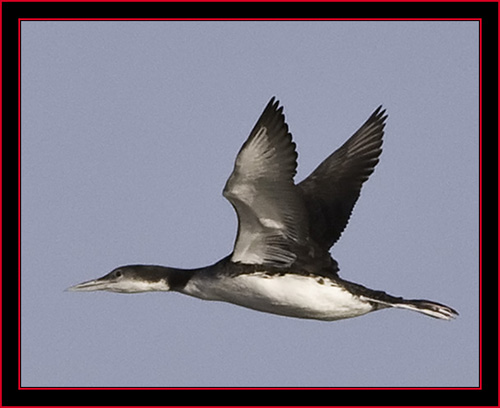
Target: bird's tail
433,309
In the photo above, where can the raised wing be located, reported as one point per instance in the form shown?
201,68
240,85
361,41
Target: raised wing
331,190
271,213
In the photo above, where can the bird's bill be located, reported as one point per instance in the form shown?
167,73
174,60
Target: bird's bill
89,286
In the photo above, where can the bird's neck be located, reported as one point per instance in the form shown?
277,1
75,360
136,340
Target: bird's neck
163,278
160,278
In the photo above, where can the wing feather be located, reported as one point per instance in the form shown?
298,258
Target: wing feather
332,189
271,213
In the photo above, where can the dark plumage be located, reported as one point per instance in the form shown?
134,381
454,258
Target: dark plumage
281,261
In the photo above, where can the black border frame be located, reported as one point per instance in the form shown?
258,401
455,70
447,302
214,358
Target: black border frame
12,395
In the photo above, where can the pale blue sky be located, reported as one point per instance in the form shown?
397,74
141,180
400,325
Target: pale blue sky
129,132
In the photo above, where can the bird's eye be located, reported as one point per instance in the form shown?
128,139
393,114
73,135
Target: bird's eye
118,274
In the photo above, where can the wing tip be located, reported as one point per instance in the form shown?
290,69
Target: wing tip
380,114
273,103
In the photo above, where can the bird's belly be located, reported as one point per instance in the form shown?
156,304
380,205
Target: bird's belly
288,295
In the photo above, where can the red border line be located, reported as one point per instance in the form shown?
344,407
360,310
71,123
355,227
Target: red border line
19,198
251,1
249,19
246,19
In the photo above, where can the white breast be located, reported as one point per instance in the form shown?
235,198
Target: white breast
289,295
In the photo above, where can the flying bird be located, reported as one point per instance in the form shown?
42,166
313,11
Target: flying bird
281,260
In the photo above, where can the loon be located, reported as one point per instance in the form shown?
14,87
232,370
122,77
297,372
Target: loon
281,262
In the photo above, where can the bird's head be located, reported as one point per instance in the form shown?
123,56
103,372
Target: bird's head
129,279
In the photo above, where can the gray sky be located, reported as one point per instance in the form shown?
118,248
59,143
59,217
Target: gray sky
129,132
